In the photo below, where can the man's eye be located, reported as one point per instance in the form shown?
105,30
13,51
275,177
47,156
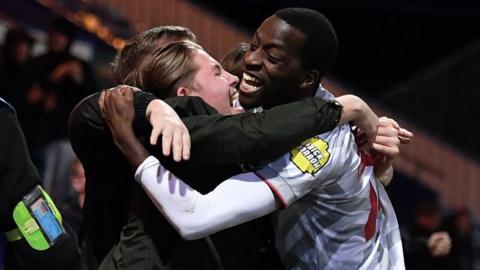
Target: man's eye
253,47
273,59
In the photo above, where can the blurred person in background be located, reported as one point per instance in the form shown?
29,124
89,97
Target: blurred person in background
64,80
425,243
72,211
16,76
72,208
465,240
18,88
232,61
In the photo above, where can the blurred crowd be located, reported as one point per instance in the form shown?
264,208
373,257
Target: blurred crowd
45,88
438,238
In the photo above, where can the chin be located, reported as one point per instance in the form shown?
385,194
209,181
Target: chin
248,102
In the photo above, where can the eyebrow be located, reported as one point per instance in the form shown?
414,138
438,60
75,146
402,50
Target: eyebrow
257,38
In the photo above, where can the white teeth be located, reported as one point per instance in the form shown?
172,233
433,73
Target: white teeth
245,87
251,80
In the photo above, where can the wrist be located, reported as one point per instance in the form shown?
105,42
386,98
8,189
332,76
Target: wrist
122,134
154,106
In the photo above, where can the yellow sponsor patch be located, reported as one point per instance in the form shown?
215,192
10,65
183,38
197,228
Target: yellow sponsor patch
311,155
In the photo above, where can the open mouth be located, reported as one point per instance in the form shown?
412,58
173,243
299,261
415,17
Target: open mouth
250,84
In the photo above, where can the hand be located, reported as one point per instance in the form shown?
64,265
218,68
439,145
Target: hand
387,141
439,244
117,109
166,122
387,147
72,68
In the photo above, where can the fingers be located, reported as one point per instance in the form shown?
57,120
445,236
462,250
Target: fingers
177,145
128,94
392,141
405,136
176,141
154,135
167,138
186,145
389,151
386,121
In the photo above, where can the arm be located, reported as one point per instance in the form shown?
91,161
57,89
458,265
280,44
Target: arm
217,139
264,136
18,174
247,137
193,215
236,200
356,111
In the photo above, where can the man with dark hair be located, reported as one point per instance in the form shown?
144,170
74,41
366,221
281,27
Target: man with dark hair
320,47
278,68
315,45
338,213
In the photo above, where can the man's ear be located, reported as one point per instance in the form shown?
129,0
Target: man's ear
183,91
311,79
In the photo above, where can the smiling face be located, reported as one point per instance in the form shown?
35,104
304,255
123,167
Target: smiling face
212,83
273,71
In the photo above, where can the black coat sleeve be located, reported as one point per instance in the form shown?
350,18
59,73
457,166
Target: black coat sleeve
230,139
18,175
251,138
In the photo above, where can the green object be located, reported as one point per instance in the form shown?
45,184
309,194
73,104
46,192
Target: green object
27,225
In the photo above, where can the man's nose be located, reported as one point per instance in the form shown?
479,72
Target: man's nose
252,59
232,80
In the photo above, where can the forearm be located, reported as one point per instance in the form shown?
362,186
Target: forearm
353,108
244,138
194,215
384,175
130,146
